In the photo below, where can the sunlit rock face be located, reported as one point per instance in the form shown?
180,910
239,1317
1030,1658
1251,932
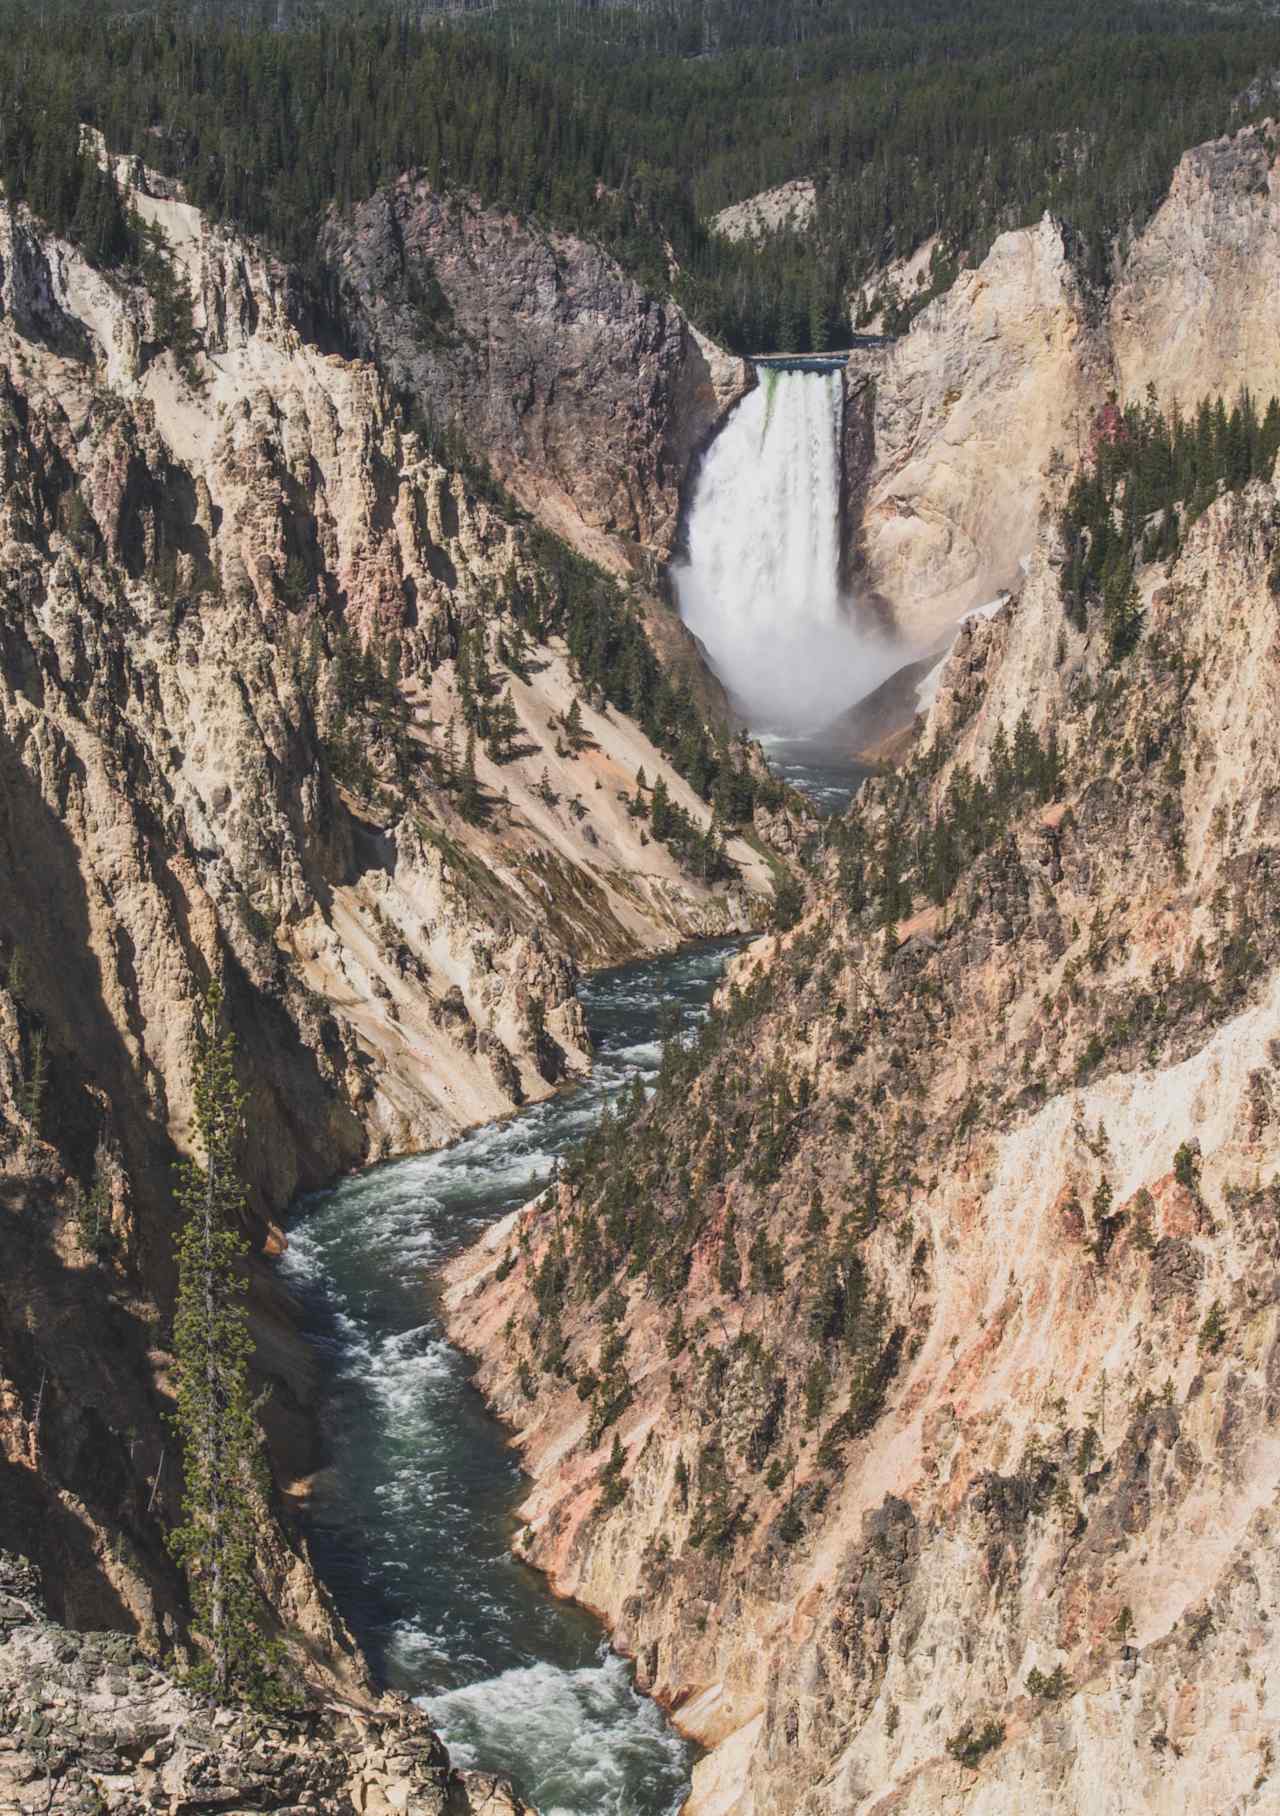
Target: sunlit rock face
950,1438
976,411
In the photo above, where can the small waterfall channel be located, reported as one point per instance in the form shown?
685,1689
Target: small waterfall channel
761,583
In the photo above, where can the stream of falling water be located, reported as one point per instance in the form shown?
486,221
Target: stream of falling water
761,583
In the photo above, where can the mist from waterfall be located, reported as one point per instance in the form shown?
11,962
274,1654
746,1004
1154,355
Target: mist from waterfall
761,586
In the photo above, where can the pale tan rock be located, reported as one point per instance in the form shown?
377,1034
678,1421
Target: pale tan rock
1196,312
788,207
975,1532
168,711
92,1726
988,400
994,378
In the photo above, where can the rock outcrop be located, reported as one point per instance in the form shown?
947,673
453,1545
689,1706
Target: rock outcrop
92,1726
906,1381
1195,312
989,395
786,208
588,397
969,408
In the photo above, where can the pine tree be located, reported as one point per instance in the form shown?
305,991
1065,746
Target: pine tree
1268,441
215,1418
470,796
1121,610
660,814
576,734
92,1209
613,1476
730,1270
33,1087
449,753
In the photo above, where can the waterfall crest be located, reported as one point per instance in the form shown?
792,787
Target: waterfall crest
761,584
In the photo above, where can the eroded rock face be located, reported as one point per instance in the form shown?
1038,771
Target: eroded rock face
992,382
989,397
212,764
588,396
1196,311
91,1726
940,1318
969,408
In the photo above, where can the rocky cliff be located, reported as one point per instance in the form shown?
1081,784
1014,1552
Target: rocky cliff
786,208
588,397
978,407
249,625
969,408
903,1384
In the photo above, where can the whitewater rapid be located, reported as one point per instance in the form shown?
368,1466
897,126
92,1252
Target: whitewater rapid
410,1524
761,583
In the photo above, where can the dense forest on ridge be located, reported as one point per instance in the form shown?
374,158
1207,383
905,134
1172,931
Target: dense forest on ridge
636,124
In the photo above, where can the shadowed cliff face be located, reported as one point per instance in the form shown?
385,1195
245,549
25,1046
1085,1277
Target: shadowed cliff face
934,1303
244,611
588,397
977,409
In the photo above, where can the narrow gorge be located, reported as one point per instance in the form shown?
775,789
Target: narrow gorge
903,1372
639,977
291,701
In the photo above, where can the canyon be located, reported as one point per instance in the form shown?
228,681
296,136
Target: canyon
247,609
899,1382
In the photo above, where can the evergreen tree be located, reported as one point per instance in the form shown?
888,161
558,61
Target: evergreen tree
1121,610
215,1418
729,1273
660,810
577,737
471,802
33,1087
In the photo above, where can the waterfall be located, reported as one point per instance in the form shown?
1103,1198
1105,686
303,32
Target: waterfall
761,586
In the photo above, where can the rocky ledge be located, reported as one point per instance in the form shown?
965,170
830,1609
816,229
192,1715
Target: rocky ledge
90,1725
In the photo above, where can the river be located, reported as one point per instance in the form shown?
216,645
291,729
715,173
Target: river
410,1522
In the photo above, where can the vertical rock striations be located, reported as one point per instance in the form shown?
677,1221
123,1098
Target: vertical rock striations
987,399
588,397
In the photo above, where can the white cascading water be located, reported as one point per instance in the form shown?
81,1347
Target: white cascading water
761,584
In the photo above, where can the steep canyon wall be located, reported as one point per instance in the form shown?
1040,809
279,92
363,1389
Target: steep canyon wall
904,1383
989,397
242,602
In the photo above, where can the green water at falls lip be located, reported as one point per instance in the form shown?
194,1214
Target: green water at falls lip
411,1520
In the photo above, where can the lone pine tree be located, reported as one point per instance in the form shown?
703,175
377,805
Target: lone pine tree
215,1417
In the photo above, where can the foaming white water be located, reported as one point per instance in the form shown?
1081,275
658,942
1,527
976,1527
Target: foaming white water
761,585
581,1740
